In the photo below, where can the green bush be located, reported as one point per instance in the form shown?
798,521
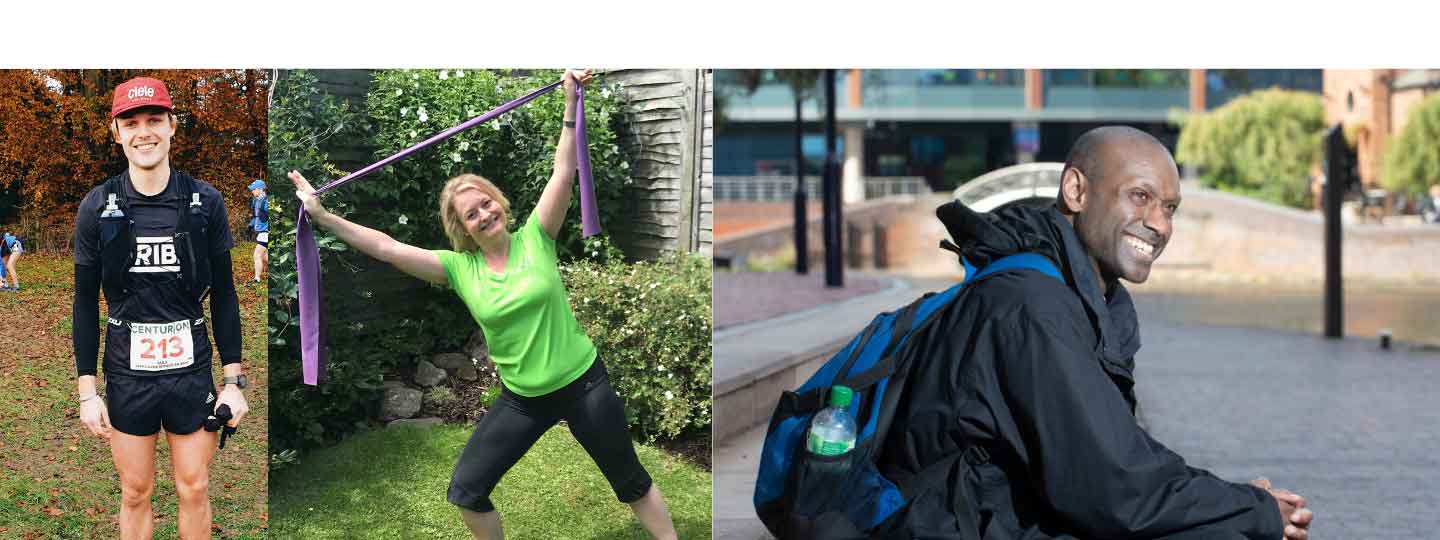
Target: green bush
1412,160
651,323
1261,145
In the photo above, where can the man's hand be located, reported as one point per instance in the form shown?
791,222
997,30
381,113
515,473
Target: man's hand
1292,510
95,417
1299,527
232,396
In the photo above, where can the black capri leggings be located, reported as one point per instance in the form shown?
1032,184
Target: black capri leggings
513,424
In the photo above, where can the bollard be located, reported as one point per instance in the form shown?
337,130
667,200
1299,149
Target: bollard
853,240
1385,339
882,258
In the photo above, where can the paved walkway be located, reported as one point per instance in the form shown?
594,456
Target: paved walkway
1352,428
744,297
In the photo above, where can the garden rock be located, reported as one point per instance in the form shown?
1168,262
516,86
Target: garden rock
475,348
450,361
467,373
416,422
399,403
426,374
392,384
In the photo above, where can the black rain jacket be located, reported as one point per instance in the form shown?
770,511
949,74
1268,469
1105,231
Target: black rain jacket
1039,375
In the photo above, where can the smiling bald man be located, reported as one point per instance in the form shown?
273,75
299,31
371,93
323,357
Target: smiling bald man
1032,377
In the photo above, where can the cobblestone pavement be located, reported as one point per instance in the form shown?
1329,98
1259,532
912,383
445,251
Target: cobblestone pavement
1352,428
742,297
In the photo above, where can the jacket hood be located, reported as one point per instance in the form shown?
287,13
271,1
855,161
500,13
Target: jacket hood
982,237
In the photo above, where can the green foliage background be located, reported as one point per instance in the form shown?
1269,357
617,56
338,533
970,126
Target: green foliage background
1412,159
1262,145
303,122
516,151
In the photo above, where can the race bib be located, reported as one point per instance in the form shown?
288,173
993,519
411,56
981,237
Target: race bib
262,237
162,346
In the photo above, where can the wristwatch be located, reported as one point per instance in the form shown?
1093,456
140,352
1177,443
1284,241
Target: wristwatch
237,381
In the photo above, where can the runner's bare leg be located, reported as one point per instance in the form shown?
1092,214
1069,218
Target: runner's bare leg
134,458
191,455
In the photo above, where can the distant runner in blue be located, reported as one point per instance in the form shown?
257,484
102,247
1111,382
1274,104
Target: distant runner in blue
260,223
9,256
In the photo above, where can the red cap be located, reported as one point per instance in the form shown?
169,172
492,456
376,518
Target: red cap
140,92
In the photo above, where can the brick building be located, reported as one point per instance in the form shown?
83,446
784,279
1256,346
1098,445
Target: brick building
1374,104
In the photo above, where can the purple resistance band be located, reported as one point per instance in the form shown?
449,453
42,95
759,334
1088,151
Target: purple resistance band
307,254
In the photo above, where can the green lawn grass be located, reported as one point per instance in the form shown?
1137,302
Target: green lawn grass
391,483
58,480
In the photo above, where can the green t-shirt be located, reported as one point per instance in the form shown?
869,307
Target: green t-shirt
525,313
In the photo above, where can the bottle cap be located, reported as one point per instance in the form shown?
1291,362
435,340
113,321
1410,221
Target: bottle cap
840,396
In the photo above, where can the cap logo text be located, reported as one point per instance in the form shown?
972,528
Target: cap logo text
141,91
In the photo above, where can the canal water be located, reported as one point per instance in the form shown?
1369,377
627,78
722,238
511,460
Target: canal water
1411,313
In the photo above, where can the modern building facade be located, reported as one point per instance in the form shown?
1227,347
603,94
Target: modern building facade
951,125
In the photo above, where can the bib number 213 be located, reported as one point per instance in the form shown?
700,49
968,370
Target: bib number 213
162,346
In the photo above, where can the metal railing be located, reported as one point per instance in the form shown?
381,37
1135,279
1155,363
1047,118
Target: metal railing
886,186
782,188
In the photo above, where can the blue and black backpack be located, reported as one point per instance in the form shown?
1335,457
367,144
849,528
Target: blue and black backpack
800,495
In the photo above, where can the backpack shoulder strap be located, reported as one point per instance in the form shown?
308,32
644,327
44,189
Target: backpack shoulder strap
193,222
115,187
189,198
1032,261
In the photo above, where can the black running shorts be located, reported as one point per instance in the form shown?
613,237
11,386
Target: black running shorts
140,406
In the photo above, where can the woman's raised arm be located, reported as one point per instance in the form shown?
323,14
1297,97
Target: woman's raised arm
421,263
555,200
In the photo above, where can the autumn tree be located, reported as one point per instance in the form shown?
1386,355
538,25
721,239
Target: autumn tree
55,144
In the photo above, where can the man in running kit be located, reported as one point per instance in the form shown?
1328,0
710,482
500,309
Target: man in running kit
157,242
260,223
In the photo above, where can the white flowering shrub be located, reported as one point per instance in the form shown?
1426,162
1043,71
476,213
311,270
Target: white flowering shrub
651,322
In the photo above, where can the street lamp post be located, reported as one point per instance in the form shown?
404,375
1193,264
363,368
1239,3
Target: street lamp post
802,248
834,272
